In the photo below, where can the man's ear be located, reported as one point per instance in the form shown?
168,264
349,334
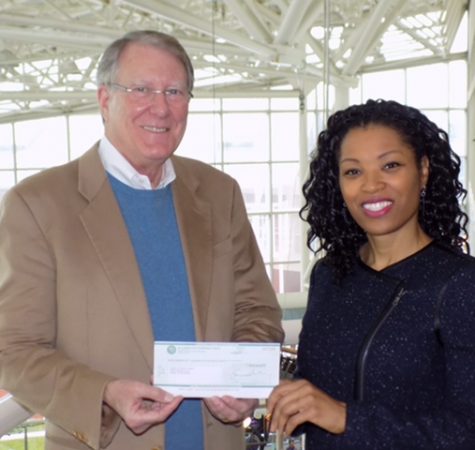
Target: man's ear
103,97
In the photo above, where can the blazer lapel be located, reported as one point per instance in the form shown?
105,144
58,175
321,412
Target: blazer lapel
194,223
104,224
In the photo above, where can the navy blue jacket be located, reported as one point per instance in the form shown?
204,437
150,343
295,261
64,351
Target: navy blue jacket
398,346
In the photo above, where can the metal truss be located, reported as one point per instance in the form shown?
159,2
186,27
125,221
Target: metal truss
49,48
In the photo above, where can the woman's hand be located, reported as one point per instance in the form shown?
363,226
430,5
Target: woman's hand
293,403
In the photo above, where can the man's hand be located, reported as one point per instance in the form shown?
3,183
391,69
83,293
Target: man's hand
231,410
140,405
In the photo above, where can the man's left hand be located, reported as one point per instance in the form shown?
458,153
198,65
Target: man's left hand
231,410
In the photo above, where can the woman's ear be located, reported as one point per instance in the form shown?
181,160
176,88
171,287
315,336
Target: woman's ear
424,171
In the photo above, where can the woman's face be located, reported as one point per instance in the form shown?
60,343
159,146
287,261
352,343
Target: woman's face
380,180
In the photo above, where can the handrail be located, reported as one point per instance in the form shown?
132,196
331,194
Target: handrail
12,414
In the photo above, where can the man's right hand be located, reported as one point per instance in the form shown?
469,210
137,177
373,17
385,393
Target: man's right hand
140,405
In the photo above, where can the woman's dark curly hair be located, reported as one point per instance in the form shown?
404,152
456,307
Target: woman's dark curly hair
332,228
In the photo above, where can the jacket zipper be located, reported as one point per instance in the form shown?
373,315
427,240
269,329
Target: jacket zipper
363,354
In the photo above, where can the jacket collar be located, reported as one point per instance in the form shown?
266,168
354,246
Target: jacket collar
107,231
104,224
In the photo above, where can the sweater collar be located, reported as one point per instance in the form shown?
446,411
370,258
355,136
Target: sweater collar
116,165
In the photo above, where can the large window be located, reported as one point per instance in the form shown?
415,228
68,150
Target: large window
256,141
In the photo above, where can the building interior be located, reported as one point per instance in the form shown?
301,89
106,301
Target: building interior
268,73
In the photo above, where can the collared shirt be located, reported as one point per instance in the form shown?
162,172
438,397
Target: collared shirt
116,165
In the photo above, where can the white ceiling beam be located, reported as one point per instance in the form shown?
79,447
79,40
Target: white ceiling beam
88,42
28,21
54,38
412,62
272,70
281,4
258,13
199,45
455,12
264,13
258,92
414,35
317,48
293,33
38,30
313,14
54,96
304,34
181,17
292,21
368,32
249,21
43,112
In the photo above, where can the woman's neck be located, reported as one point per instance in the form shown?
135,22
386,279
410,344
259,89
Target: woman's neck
381,252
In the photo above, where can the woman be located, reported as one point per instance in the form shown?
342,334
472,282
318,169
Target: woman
387,349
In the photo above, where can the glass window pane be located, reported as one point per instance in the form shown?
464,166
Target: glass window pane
463,179
287,237
440,118
205,104
286,189
245,104
6,146
427,86
285,136
312,131
311,100
41,143
460,41
261,226
322,92
202,138
254,182
246,137
375,85
22,174
286,278
458,132
458,84
268,271
284,104
84,131
355,92
321,123
7,180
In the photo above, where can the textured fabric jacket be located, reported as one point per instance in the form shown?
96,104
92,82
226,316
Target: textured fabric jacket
399,347
73,310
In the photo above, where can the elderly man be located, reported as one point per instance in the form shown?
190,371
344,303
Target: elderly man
127,245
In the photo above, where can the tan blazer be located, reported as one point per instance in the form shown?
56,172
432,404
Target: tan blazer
73,313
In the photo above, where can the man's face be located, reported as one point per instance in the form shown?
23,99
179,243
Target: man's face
145,130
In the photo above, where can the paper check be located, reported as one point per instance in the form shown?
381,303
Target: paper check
207,369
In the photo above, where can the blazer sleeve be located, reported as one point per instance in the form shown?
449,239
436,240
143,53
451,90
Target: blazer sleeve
449,427
32,369
258,316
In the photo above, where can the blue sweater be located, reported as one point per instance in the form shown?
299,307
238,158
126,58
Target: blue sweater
153,230
409,379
